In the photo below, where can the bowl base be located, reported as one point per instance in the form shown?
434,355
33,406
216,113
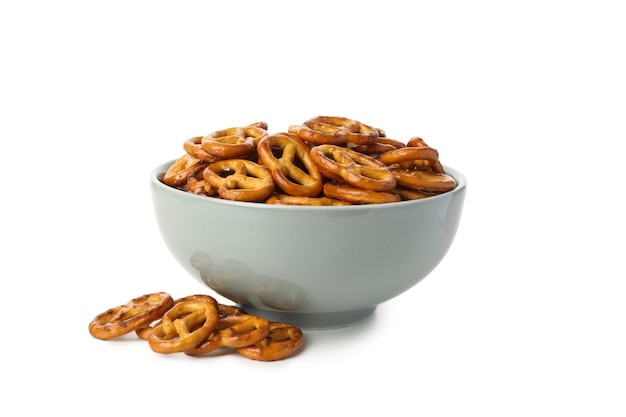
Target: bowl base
314,321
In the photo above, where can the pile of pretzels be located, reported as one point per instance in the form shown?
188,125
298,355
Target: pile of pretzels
197,325
325,161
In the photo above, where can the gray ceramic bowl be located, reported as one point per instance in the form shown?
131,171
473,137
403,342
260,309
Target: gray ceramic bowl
314,267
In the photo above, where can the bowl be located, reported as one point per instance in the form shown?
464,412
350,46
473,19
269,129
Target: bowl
310,266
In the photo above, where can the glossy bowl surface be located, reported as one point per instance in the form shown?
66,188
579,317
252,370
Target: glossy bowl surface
314,267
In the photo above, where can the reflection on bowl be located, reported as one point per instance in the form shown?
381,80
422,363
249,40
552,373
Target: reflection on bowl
314,267
235,281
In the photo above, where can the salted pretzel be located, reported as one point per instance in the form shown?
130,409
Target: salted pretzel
413,155
179,171
240,180
381,145
353,167
144,332
357,195
184,326
131,316
260,124
234,331
193,146
234,142
423,180
335,131
282,341
226,314
293,169
291,200
408,194
196,183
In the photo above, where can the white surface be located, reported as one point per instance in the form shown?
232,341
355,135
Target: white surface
526,314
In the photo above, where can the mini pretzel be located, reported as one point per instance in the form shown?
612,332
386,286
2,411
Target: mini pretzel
193,146
424,180
408,194
291,200
131,316
260,124
229,317
412,154
179,171
235,142
335,131
293,170
282,341
184,326
357,195
355,168
196,183
237,331
381,145
240,180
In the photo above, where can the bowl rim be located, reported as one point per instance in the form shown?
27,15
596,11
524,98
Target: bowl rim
159,170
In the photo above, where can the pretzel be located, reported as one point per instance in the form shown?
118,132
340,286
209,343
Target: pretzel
225,312
260,124
227,317
413,154
291,168
282,341
184,326
234,331
240,180
423,180
355,168
193,146
357,195
179,171
131,316
234,142
381,145
196,183
408,194
294,171
291,200
144,332
335,131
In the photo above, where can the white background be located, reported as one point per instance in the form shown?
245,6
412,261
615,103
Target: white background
526,314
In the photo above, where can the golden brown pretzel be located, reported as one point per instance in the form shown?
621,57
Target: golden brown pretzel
137,313
408,194
235,142
282,341
244,330
413,154
381,145
144,332
335,130
240,180
260,124
291,200
196,183
293,170
229,316
184,326
357,195
193,146
353,167
179,171
423,180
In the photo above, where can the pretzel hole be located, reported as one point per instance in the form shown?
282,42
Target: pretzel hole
278,151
